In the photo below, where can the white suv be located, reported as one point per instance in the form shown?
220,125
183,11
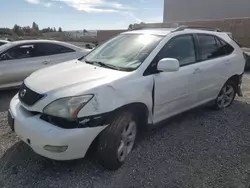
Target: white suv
132,81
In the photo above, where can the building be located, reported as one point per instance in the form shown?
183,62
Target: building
193,10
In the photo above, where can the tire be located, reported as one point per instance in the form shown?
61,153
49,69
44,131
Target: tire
117,140
225,95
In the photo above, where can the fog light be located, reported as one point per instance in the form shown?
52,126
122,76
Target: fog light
56,149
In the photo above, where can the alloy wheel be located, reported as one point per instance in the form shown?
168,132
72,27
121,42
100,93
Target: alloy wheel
127,141
226,96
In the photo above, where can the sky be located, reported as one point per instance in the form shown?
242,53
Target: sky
80,14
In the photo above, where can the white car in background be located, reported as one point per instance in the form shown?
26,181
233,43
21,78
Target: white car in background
131,82
20,58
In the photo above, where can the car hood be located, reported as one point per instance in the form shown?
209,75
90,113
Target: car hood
70,74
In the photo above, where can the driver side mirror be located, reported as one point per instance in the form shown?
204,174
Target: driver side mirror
168,65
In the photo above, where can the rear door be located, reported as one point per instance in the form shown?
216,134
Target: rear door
19,62
214,60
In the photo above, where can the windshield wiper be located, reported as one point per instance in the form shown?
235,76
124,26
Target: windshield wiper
101,64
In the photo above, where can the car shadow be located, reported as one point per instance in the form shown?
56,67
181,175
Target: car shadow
5,98
22,166
28,167
172,122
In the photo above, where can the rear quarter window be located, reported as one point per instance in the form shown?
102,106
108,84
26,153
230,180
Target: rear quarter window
211,46
228,48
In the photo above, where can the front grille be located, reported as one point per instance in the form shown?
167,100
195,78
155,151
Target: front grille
27,96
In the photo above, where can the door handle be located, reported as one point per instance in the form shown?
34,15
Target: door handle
197,71
227,62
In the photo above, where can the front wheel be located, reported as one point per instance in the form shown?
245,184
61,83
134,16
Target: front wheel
226,96
117,141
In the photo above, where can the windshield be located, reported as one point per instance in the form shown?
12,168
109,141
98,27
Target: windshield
125,52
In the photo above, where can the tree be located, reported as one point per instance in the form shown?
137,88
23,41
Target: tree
5,31
59,29
44,30
47,30
35,26
33,33
54,29
50,29
130,27
16,28
27,30
136,26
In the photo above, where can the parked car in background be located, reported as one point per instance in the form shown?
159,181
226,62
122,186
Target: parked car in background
133,81
2,42
20,58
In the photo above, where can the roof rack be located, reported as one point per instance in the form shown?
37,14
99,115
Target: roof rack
181,28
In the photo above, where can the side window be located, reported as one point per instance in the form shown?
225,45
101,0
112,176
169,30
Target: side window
52,49
19,52
208,47
213,47
221,48
228,48
181,48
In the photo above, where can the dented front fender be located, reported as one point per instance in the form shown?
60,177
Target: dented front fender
110,97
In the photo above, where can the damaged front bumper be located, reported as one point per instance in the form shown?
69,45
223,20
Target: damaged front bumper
48,140
84,122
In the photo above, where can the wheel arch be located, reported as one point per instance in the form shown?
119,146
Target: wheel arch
237,79
138,108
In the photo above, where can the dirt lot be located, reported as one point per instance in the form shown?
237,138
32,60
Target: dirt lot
201,148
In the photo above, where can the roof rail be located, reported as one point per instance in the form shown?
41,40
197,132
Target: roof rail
181,28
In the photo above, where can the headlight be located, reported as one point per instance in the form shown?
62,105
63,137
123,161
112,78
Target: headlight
67,107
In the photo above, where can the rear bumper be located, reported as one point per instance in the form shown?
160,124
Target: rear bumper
38,134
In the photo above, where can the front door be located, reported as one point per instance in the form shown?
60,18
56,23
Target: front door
174,90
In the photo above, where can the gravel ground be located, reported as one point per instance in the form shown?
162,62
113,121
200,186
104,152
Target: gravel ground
200,148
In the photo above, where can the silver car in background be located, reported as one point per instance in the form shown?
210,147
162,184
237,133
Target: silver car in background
20,58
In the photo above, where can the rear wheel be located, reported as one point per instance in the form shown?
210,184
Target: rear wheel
226,95
117,141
